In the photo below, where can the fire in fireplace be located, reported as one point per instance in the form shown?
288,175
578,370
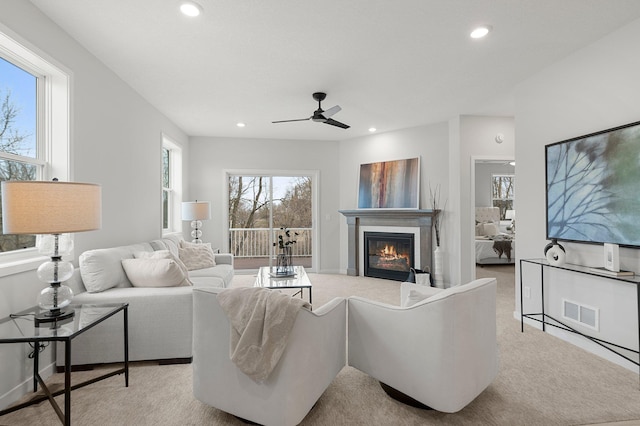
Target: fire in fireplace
388,255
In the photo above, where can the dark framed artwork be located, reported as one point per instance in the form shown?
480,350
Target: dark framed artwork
389,184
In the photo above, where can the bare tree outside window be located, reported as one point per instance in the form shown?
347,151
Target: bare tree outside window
18,148
166,188
258,207
502,187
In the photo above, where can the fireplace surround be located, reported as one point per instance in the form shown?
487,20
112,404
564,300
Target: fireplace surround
388,219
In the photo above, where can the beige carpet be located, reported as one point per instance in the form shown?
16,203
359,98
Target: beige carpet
542,381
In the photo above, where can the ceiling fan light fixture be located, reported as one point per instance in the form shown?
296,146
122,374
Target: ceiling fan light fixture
480,32
191,9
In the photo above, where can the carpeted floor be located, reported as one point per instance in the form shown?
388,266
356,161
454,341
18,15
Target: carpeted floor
542,381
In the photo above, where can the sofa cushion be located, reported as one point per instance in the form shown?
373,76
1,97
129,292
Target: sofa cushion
217,276
198,256
101,269
154,273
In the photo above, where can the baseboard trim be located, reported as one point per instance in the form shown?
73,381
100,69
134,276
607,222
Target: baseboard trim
24,388
88,367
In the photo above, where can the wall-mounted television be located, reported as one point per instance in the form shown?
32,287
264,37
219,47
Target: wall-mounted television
593,187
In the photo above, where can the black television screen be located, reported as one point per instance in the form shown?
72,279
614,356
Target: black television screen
593,187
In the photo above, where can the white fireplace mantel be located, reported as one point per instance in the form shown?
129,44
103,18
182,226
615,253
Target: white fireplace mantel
422,219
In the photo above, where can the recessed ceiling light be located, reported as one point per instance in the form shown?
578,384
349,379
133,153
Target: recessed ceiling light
372,129
190,8
480,31
240,124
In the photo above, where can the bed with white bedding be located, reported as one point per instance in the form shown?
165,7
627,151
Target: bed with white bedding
494,243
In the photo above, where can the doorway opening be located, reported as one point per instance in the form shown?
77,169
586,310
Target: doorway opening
493,186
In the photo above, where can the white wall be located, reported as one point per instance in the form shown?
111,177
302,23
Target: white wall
116,142
446,150
594,89
477,141
430,143
211,156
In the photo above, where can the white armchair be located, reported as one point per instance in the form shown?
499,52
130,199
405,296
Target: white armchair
441,351
314,355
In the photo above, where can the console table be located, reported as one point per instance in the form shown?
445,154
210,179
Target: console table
544,318
21,328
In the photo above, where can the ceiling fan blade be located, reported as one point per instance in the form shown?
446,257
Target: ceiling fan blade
331,111
333,122
288,121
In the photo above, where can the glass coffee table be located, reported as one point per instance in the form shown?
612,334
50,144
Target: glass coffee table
267,278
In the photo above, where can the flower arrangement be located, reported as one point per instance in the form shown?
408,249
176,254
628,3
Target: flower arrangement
282,243
434,197
284,265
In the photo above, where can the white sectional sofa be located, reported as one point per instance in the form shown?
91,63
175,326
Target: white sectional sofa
160,318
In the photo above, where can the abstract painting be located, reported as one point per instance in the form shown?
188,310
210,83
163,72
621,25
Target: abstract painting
389,184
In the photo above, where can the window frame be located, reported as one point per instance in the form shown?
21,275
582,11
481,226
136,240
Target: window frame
53,129
512,199
315,205
174,190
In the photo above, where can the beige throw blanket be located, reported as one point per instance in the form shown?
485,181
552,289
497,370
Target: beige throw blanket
261,320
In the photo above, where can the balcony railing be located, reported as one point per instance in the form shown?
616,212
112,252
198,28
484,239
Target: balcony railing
255,242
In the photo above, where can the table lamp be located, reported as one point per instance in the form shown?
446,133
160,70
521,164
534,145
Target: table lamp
51,209
196,211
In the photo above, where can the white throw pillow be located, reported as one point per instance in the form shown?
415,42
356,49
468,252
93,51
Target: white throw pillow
154,273
480,230
414,297
187,244
101,270
164,254
490,229
197,256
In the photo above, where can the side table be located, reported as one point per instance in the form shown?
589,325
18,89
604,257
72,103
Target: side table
21,328
547,320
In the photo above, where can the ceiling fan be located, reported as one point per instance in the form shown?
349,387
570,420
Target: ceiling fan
320,115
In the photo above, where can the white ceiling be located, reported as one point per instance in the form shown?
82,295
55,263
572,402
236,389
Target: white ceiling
388,64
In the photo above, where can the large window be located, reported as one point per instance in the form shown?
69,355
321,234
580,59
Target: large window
259,206
34,133
503,190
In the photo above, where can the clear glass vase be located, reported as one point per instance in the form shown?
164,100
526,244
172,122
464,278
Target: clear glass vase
284,264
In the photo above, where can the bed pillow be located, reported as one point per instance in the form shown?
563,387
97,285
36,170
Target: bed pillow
197,256
491,229
154,273
480,230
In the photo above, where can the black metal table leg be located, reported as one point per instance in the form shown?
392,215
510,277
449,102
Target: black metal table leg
67,382
521,302
36,364
544,328
126,346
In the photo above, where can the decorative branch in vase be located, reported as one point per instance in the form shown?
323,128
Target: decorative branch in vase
434,198
284,264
